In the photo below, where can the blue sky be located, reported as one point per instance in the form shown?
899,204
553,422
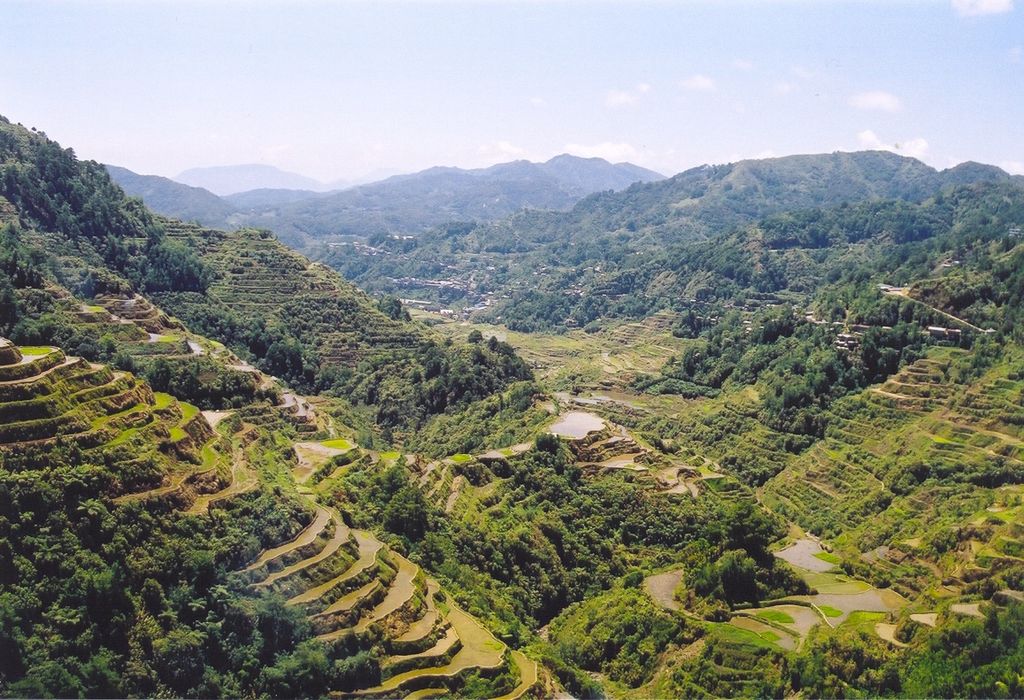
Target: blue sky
340,90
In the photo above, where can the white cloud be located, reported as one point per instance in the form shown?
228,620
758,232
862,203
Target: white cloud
610,151
620,98
915,148
784,87
538,101
1014,167
736,156
742,64
973,8
1015,54
802,72
698,82
272,152
877,100
502,150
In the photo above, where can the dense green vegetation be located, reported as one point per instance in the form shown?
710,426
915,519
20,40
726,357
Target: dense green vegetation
667,552
631,253
966,658
619,633
547,537
100,599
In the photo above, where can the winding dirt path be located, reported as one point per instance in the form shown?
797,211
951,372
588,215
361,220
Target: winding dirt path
307,536
341,535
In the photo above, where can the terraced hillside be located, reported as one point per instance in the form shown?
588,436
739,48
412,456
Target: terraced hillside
255,275
301,322
356,591
918,477
154,444
359,593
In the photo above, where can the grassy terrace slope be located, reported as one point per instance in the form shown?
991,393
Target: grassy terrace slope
919,478
306,325
153,444
359,593
254,274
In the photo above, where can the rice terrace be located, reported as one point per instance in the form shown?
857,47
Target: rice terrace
512,350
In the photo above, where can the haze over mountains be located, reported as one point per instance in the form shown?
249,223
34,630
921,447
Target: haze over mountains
403,204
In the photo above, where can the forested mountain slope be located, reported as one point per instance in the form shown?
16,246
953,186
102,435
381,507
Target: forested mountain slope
153,546
170,198
544,269
411,204
400,205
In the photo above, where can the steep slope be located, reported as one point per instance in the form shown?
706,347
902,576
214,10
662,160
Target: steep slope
146,482
124,511
306,325
171,198
299,322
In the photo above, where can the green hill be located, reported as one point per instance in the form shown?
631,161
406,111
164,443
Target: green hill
296,321
617,254
150,546
170,198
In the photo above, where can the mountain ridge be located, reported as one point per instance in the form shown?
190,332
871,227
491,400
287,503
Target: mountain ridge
405,204
225,180
589,250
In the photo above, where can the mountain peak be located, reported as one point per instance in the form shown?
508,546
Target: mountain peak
225,180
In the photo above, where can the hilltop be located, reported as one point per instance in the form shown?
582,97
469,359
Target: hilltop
542,270
411,204
224,180
302,215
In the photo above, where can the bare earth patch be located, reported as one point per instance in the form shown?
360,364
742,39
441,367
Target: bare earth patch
802,554
577,424
931,619
662,588
888,632
970,609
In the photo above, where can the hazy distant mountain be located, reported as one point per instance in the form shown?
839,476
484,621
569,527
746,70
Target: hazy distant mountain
616,235
712,199
172,198
297,209
412,204
224,180
266,198
588,175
